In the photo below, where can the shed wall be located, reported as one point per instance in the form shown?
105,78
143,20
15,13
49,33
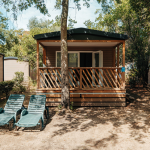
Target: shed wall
107,54
1,68
12,66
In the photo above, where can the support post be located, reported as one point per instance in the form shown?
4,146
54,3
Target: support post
117,61
123,64
37,65
80,78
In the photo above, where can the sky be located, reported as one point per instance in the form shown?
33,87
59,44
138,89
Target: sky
80,16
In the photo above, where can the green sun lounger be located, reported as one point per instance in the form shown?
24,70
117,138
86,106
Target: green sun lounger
11,110
34,115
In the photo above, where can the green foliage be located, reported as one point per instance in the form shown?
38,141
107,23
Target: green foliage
16,6
133,80
71,23
3,27
60,106
71,105
41,23
18,80
6,87
8,38
142,8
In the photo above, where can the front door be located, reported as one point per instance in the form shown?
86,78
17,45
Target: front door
86,61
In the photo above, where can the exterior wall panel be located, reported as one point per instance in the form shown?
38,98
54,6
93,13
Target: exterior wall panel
107,54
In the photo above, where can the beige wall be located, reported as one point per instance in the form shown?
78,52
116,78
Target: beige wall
1,68
12,66
107,54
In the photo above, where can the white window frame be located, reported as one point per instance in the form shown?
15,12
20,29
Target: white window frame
70,52
78,52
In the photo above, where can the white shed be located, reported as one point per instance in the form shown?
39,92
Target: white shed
12,65
1,67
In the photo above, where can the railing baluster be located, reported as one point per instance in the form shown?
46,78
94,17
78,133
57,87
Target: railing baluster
111,77
51,79
95,77
71,81
108,78
103,78
73,78
45,78
80,78
85,79
99,76
91,78
119,79
88,77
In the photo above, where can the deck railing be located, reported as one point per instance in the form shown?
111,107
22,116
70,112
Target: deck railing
81,77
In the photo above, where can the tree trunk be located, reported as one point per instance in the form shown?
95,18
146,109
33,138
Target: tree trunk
64,55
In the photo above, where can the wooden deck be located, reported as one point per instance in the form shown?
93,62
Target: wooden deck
89,86
88,97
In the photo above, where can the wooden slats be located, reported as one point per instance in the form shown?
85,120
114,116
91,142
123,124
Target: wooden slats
53,77
82,78
74,78
95,78
85,79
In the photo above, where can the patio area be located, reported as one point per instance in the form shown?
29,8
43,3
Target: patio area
88,128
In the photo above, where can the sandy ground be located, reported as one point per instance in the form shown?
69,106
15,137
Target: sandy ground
121,128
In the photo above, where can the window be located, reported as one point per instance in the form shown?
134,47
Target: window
72,59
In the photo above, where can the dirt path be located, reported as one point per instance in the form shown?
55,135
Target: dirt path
88,129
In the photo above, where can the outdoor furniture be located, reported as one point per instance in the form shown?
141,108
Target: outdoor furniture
11,110
34,115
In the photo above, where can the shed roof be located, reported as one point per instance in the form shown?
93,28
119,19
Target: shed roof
11,57
82,34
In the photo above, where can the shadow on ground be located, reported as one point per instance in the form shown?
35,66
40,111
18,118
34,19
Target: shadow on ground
136,115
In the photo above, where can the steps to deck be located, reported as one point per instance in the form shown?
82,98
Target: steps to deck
88,98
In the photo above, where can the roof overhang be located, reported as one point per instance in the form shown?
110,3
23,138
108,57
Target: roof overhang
82,37
77,43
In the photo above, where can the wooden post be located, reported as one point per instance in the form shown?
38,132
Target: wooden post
37,65
44,56
80,78
123,64
117,56
117,61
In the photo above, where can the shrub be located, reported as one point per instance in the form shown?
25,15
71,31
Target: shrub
133,77
6,87
18,80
